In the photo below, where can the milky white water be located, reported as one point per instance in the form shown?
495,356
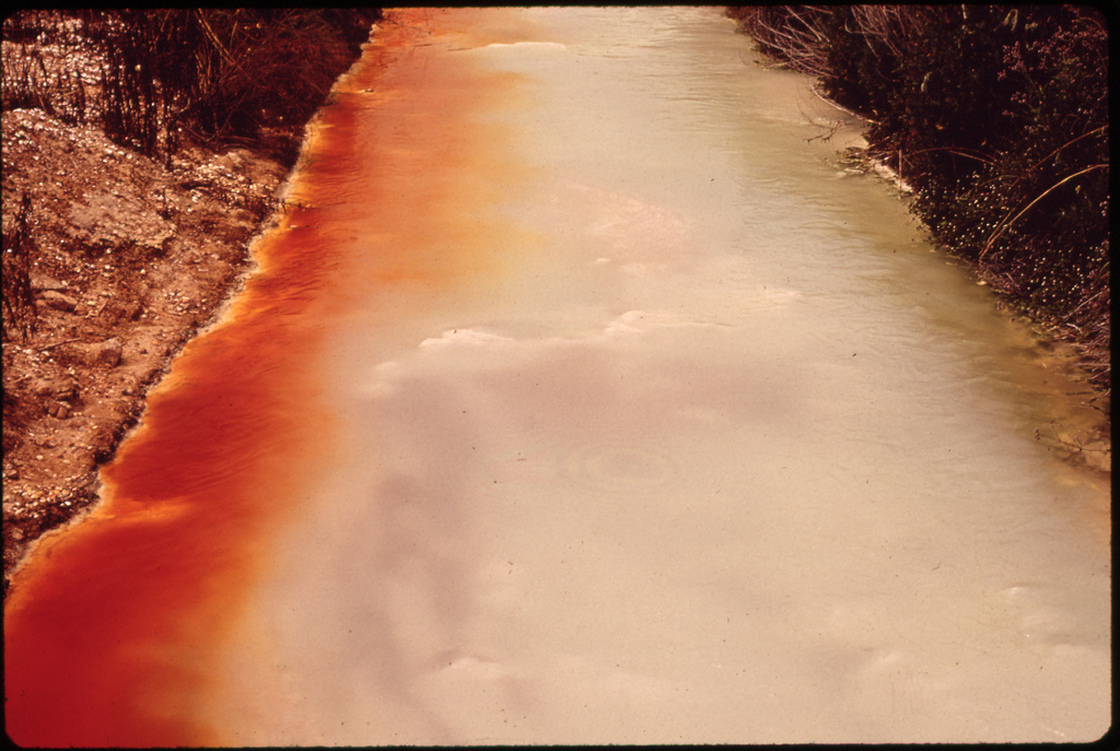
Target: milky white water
725,456
649,424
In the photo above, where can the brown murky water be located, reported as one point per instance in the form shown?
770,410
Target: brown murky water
586,401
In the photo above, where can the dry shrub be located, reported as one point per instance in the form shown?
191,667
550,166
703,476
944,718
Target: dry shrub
789,34
998,117
19,247
41,68
249,77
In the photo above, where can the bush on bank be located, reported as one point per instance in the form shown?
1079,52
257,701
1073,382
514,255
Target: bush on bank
997,117
159,80
154,78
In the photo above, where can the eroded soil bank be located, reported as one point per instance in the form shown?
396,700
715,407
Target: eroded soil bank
130,260
114,260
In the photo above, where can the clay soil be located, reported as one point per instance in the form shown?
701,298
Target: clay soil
129,259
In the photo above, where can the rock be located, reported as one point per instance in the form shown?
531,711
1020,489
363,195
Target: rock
127,310
170,245
40,283
59,301
165,244
242,216
53,388
106,354
194,183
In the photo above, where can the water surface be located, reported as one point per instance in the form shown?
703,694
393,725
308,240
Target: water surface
636,419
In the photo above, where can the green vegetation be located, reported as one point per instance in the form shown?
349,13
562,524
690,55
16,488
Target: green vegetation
997,117
152,79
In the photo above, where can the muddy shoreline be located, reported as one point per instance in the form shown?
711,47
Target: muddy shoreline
130,261
119,249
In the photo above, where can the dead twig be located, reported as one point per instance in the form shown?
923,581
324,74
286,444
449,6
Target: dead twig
58,344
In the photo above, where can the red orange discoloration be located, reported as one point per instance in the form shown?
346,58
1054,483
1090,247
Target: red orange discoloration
113,625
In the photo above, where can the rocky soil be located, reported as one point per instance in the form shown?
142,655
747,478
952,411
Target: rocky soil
127,261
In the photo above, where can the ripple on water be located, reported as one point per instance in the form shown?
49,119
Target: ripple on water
619,466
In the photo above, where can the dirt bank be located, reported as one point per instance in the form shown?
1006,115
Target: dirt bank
115,255
127,261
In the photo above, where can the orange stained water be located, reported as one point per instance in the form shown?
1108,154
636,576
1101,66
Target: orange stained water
580,399
111,627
